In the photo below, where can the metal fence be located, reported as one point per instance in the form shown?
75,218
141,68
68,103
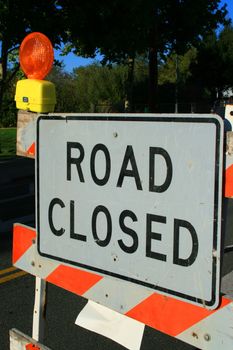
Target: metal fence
183,107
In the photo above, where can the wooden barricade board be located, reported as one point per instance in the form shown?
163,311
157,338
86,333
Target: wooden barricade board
21,341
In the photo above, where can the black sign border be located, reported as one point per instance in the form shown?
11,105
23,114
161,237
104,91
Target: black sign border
144,118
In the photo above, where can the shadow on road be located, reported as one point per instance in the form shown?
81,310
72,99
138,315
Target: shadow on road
17,192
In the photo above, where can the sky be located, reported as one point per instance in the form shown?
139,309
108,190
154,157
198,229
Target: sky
229,7
71,61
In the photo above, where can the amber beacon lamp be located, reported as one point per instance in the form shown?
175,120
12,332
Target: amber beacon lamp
36,59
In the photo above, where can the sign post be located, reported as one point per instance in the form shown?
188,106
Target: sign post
134,197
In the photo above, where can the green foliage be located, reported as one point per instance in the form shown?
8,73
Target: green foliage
66,92
100,86
97,88
21,17
140,84
225,46
176,68
9,112
8,107
119,29
213,71
7,142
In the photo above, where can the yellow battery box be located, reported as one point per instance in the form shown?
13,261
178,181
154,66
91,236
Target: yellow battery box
35,95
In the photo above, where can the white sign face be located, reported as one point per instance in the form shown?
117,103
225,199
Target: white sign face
135,197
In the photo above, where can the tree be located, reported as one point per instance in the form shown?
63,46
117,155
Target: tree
213,69
181,63
121,29
66,90
100,88
174,76
103,89
202,74
17,19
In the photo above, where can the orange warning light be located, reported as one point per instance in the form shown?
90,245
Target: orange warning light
36,55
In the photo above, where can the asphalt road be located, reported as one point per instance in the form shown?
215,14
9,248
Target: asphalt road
16,309
17,199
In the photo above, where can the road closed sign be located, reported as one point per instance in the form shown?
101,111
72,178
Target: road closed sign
134,197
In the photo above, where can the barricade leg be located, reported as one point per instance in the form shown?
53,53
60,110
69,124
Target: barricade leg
38,326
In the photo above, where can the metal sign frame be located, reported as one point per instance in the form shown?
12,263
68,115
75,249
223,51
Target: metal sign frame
217,211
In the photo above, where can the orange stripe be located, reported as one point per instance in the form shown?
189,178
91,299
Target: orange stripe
31,150
32,347
72,279
169,315
22,241
229,182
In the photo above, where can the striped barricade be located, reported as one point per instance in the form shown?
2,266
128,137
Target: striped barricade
190,323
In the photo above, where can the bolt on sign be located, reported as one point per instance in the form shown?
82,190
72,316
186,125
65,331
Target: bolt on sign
134,197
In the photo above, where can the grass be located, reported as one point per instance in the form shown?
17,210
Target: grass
7,142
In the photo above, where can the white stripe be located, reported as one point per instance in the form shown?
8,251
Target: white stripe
35,264
213,333
28,135
111,324
229,161
120,296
